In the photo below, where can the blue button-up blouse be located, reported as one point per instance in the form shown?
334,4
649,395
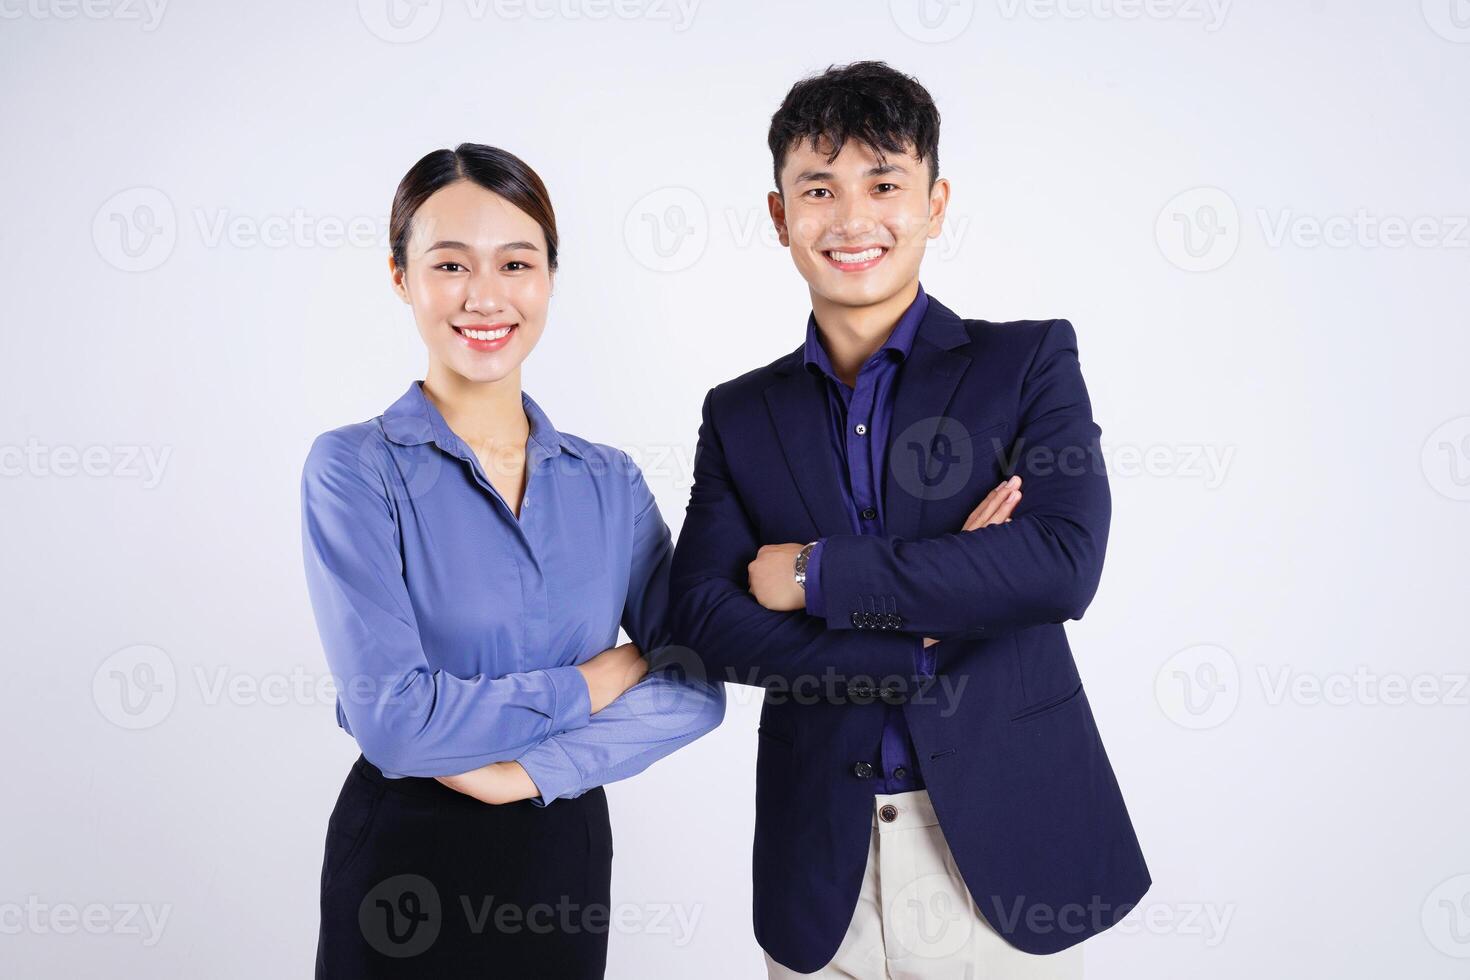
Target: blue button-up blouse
452,628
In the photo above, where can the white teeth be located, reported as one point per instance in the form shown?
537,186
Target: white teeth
863,256
485,334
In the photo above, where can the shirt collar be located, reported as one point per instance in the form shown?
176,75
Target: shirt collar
413,419
900,338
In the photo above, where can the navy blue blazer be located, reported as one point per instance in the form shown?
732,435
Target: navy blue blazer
1006,739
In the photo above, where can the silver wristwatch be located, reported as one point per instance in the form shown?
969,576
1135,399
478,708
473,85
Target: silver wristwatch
802,557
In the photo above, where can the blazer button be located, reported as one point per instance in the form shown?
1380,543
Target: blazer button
862,770
888,813
869,513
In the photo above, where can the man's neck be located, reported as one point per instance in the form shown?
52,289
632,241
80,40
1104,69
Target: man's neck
851,334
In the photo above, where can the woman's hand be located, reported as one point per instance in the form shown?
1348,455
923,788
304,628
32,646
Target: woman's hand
612,672
996,508
608,675
497,783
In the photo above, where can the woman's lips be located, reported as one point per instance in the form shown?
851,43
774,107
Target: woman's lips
484,339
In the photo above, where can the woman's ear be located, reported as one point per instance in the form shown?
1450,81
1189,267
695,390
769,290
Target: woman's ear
395,275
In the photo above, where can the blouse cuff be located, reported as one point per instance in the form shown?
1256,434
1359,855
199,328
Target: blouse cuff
552,770
572,703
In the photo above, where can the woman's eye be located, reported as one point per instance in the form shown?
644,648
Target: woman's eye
515,262
446,266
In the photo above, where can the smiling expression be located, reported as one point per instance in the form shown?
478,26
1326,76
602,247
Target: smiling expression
856,225
477,280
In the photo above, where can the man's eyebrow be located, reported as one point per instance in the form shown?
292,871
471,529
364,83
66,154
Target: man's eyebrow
505,247
875,171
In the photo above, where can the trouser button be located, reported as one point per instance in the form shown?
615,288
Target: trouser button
888,813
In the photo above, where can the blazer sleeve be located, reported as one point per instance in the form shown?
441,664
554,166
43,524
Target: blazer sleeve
672,705
713,613
1043,567
408,718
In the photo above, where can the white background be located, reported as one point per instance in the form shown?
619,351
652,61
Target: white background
1253,214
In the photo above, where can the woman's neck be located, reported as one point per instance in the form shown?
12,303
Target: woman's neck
487,415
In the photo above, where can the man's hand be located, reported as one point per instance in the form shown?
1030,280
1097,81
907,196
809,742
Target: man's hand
773,577
996,508
773,572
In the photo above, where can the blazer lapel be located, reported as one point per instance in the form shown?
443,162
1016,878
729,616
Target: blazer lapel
927,381
798,408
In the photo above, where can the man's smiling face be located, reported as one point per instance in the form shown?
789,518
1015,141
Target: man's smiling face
856,225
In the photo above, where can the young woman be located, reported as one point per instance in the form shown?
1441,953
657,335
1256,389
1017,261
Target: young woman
469,566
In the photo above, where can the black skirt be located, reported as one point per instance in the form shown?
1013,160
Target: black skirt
421,881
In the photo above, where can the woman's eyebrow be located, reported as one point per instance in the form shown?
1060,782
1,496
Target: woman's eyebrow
505,247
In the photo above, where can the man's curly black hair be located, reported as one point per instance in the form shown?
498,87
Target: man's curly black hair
865,101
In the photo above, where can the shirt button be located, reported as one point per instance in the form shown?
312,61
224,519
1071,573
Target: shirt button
900,772
888,813
869,513
862,770
860,429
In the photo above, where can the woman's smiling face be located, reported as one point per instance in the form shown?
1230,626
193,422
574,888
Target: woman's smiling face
478,281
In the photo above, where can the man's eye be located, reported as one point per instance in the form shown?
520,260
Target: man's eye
446,266
887,187
818,190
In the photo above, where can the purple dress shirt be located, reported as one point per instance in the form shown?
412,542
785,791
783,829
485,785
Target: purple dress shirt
860,419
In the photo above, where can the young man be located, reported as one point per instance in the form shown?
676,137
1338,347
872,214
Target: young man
932,797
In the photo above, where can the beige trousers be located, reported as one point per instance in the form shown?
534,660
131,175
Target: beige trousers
915,917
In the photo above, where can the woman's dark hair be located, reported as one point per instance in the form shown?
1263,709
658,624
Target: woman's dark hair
493,169
865,101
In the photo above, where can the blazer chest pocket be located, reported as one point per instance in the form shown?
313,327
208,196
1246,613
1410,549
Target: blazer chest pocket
990,442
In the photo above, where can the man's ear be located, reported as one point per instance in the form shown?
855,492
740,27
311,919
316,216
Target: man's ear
938,206
776,204
395,274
